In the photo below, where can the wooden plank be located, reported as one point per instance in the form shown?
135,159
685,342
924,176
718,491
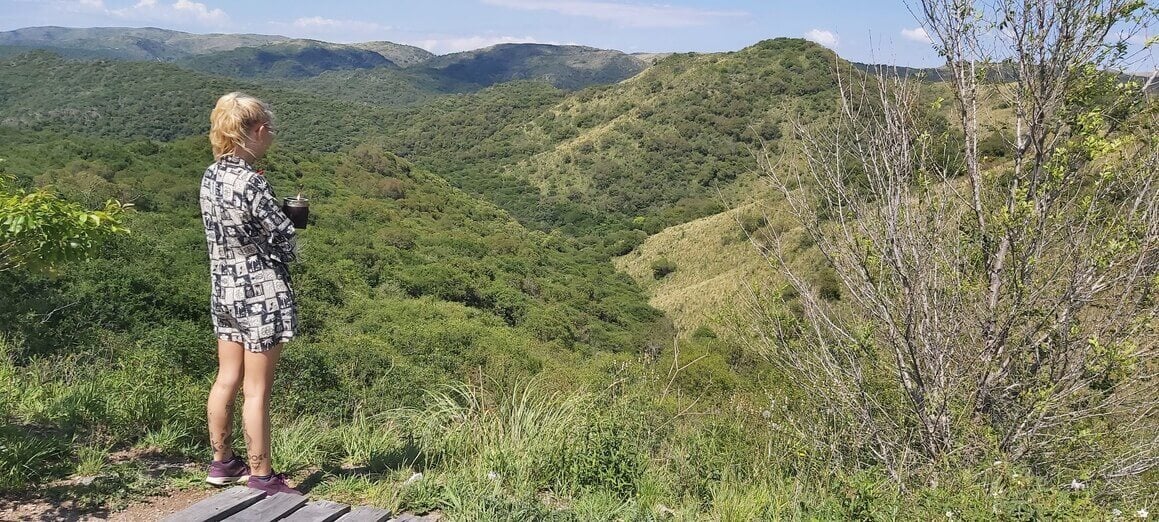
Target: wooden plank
318,511
366,514
219,506
272,507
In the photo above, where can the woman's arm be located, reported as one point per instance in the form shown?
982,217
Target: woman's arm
264,207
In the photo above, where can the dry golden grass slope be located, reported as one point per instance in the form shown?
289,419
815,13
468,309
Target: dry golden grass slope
714,262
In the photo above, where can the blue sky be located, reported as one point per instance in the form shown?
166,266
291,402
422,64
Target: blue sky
865,31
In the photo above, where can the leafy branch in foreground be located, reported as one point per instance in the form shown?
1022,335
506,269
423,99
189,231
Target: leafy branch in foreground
989,307
39,230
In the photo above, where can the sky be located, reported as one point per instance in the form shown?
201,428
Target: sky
871,31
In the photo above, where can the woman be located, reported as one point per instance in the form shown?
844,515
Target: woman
250,243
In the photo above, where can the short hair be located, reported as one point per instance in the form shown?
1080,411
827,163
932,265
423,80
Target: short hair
233,115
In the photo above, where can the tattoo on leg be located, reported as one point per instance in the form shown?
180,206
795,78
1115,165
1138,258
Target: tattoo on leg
257,458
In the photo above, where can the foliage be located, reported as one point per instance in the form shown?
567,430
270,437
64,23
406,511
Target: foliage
85,98
662,267
40,230
570,67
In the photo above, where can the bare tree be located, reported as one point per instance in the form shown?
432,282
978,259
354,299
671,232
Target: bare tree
989,304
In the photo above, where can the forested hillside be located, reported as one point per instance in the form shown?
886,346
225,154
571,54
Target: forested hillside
407,284
139,100
646,153
296,59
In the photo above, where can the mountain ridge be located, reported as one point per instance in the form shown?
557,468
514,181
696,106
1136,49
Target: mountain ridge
250,56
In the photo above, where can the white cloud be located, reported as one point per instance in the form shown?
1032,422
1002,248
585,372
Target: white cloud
93,4
179,11
467,43
917,34
317,22
200,11
628,15
823,37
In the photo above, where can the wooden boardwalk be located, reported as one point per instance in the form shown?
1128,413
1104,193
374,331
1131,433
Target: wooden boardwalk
243,504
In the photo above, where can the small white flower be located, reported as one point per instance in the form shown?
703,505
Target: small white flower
949,514
1076,485
491,475
1142,513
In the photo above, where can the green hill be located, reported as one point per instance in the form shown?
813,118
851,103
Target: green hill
402,55
643,154
167,102
396,265
297,59
365,71
381,86
409,234
564,66
124,43
628,159
420,82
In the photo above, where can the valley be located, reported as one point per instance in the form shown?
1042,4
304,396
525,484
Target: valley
569,283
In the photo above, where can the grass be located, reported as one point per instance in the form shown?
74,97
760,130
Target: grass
714,263
633,450
91,461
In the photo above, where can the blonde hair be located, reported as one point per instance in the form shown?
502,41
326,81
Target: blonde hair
231,119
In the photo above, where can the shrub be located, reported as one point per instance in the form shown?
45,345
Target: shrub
606,456
662,267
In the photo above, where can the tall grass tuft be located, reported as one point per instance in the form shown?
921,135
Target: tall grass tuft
514,438
374,442
26,458
91,460
301,443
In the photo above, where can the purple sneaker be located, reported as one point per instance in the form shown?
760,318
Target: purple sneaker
273,484
229,472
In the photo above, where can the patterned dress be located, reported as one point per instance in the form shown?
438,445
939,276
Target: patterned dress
250,243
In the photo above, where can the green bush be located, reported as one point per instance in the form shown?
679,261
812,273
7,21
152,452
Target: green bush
662,267
606,456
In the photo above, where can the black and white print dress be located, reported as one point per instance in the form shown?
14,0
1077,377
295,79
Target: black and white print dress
251,241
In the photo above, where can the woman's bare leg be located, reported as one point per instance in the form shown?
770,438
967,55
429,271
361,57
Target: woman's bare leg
219,408
259,379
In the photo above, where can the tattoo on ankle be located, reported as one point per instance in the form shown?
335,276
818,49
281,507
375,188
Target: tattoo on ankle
257,458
